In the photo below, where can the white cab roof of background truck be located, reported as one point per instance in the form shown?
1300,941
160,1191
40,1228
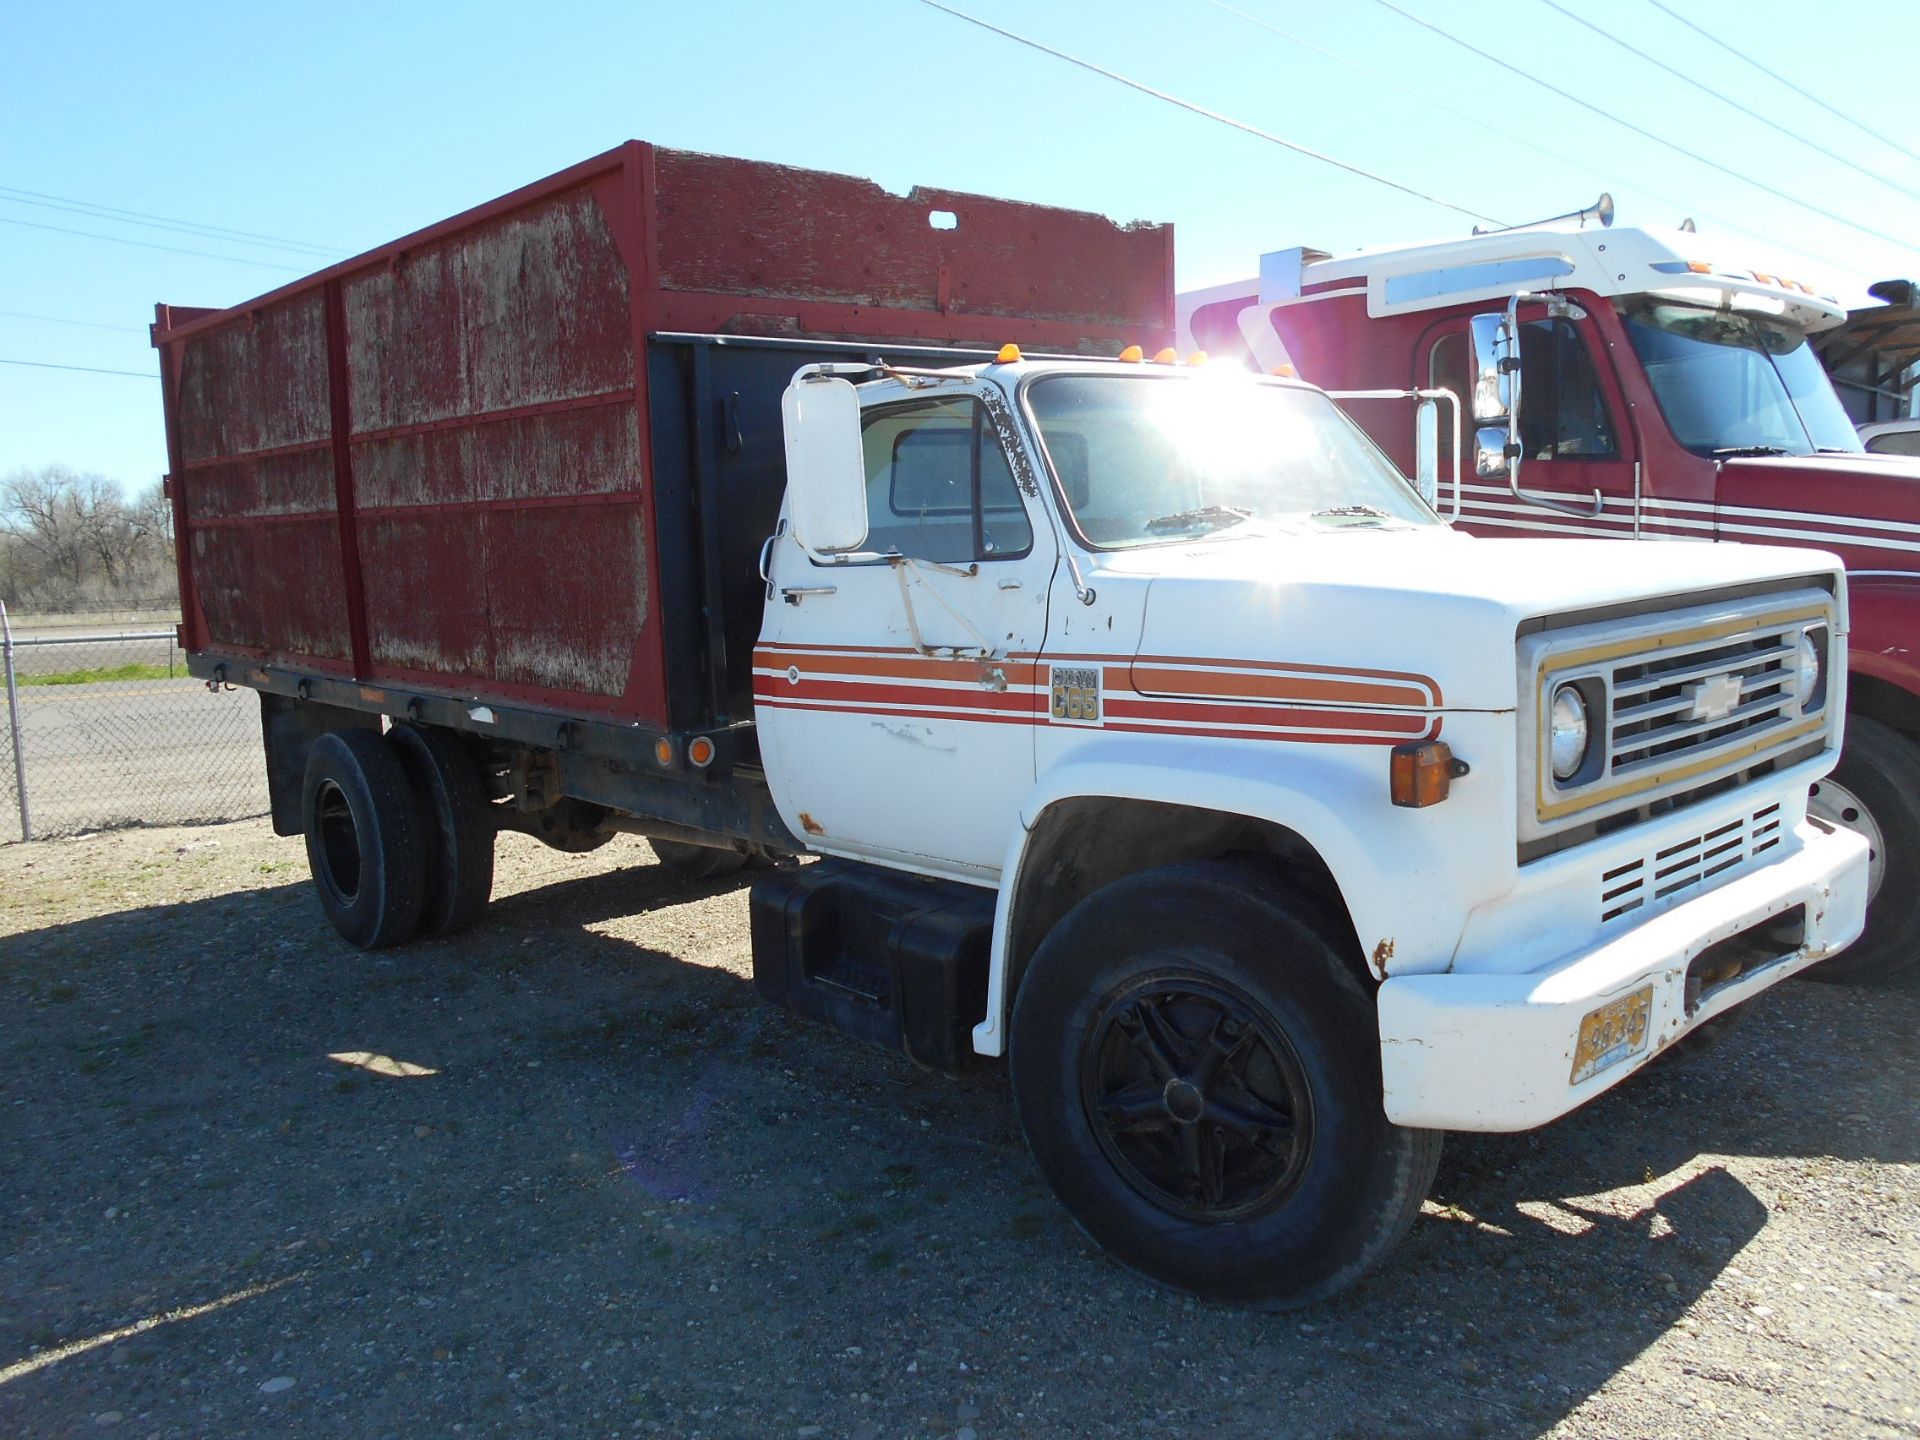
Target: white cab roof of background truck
1685,265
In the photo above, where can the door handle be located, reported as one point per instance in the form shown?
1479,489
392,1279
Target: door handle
794,594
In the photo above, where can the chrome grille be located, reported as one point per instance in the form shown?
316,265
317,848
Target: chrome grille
1686,863
1653,697
1683,703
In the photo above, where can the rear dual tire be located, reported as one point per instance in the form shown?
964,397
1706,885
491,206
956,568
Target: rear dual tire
399,834
1197,1071
366,839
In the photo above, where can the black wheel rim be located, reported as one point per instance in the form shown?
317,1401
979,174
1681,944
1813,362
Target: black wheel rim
1196,1097
339,841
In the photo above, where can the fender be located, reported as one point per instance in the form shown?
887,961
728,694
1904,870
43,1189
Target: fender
1407,888
1884,644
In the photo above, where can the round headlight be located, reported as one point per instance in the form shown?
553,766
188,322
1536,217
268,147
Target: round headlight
1806,669
1567,732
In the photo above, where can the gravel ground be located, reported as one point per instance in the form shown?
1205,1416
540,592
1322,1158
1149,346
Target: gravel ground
565,1176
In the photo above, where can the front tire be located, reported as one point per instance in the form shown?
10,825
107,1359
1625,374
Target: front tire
1197,1072
365,838
1875,790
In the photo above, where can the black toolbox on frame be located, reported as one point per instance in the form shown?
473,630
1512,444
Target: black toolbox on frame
893,958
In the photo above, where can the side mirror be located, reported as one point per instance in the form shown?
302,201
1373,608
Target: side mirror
1496,367
826,471
1491,453
1426,451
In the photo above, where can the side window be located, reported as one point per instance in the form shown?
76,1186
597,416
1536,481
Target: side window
1563,412
938,484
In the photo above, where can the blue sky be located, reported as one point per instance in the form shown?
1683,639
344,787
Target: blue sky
347,124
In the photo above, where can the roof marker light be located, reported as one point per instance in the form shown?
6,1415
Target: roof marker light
1198,357
1168,356
1009,355
1133,354
1285,371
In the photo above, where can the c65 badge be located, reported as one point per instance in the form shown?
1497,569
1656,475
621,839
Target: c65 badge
1076,693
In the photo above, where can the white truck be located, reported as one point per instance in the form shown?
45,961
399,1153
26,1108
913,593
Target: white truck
1154,731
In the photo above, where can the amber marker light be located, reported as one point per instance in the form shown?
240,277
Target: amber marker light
700,751
1423,773
1285,372
1133,354
1198,357
1168,356
663,750
1009,354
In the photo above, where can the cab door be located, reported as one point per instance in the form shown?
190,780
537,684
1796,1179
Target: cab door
895,720
1575,438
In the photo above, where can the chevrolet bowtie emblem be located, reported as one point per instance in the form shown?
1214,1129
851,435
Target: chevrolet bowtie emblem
1714,698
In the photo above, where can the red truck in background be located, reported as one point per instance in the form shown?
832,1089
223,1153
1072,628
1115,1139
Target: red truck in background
1670,392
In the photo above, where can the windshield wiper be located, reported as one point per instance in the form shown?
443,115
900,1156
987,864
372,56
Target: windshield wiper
1207,517
1738,450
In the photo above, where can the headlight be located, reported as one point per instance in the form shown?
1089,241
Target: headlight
1806,670
1567,732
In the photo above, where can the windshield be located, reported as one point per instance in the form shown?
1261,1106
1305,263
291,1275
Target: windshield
1145,459
1732,384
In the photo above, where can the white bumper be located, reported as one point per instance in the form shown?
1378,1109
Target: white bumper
1497,1051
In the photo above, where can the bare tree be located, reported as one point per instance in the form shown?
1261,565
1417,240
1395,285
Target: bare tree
68,539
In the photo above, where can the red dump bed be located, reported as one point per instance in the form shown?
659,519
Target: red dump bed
432,466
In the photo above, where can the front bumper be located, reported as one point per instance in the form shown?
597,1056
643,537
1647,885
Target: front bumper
1497,1051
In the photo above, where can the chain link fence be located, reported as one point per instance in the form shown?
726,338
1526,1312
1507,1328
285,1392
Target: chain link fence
108,729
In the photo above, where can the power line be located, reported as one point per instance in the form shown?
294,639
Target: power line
1904,244
1202,110
87,369
1472,119
212,231
1706,34
146,244
85,324
1746,110
202,232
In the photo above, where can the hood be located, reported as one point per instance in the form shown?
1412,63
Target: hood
1821,469
1435,604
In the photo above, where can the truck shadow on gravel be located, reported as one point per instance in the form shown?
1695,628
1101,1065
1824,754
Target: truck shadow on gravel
548,1177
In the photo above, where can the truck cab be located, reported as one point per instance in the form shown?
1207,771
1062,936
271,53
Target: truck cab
1664,387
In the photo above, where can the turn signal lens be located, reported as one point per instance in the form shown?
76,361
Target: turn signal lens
1009,355
700,751
663,750
1133,354
1423,773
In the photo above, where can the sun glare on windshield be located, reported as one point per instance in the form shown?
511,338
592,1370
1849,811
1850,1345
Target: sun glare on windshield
1152,459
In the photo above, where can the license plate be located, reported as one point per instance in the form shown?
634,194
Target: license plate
1616,1031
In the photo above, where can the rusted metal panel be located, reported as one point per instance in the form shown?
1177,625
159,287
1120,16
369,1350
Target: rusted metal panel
525,310
273,591
259,383
746,229
431,464
589,450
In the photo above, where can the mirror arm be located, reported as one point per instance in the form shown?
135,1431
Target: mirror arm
1510,364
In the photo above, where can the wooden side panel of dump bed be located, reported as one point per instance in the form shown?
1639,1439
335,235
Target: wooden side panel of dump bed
429,468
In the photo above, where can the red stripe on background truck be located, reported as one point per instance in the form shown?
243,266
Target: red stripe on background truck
1144,726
